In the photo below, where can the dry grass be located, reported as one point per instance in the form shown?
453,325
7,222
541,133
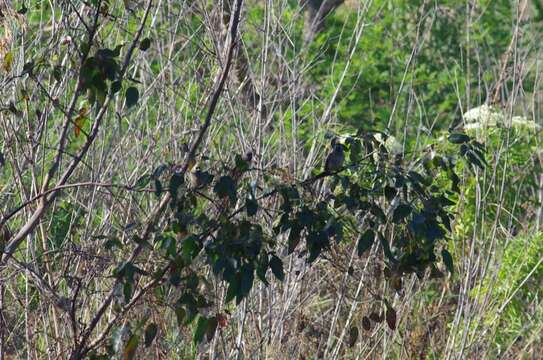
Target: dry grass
311,315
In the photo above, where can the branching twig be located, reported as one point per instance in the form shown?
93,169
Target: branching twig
82,347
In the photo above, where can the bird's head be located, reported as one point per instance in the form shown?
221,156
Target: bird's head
337,146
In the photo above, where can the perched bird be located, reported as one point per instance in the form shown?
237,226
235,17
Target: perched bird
248,157
199,179
335,159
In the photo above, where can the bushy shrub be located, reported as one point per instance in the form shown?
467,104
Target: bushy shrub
516,310
508,188
423,50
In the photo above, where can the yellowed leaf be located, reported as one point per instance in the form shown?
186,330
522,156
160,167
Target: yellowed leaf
8,61
80,120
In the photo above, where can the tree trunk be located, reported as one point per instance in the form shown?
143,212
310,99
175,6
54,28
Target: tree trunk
315,14
250,95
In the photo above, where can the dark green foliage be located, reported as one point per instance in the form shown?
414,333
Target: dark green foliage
389,194
116,86
252,206
97,70
457,138
201,328
150,334
365,242
22,10
276,266
471,149
176,180
226,188
145,44
447,260
132,96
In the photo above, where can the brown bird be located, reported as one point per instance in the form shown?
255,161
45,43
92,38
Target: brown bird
199,179
334,160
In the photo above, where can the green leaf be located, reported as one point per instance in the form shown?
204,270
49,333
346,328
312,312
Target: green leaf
355,151
233,288
262,268
277,268
117,50
251,205
247,279
112,243
433,230
401,212
378,213
175,182
145,44
473,159
294,237
353,336
212,323
201,328
241,164
386,248
132,96
127,291
190,247
365,242
175,277
150,333
457,138
390,193
446,201
455,180
130,348
447,260
126,271
116,86
192,281
180,315
226,187
57,73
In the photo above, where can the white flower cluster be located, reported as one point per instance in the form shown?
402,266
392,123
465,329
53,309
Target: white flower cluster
484,117
521,121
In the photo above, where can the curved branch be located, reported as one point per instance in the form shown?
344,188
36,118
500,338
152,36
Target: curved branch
82,347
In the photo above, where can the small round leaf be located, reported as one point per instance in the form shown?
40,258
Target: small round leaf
132,96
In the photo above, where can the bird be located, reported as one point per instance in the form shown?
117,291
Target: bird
333,163
248,157
336,158
199,179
